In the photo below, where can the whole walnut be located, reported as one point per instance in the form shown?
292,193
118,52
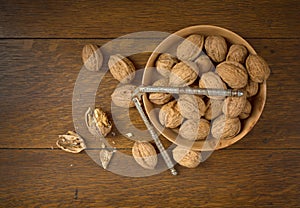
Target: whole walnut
169,115
164,64
233,106
233,73
237,53
144,154
251,88
214,109
92,57
216,48
122,96
257,68
160,98
190,48
195,130
185,157
191,106
225,128
183,74
204,64
121,68
246,111
212,80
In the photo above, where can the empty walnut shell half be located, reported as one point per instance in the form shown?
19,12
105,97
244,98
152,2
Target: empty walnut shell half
71,142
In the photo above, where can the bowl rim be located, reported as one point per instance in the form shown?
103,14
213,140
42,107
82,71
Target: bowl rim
201,145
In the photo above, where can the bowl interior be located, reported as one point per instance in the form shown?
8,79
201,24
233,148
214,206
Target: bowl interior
169,45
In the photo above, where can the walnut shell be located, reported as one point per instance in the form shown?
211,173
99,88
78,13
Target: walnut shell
214,109
190,48
121,68
164,64
185,157
183,74
144,154
191,106
246,111
103,124
71,142
204,64
195,130
160,98
122,96
233,106
216,48
169,115
225,128
92,57
237,53
233,73
212,80
257,68
251,88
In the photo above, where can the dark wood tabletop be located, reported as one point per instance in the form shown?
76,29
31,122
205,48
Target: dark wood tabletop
41,44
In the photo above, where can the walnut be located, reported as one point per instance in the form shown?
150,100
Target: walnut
214,109
169,115
190,48
216,48
251,88
233,106
246,111
121,68
144,154
225,128
191,106
160,98
233,73
71,142
92,57
122,96
204,64
257,68
212,80
183,74
185,157
237,53
195,130
164,64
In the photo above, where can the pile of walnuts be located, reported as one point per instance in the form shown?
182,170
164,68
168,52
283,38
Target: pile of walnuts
207,62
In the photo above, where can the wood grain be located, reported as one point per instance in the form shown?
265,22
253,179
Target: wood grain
107,19
40,178
46,70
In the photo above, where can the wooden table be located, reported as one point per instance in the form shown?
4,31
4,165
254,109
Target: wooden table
41,43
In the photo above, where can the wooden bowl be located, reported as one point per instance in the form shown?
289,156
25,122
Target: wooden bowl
169,45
